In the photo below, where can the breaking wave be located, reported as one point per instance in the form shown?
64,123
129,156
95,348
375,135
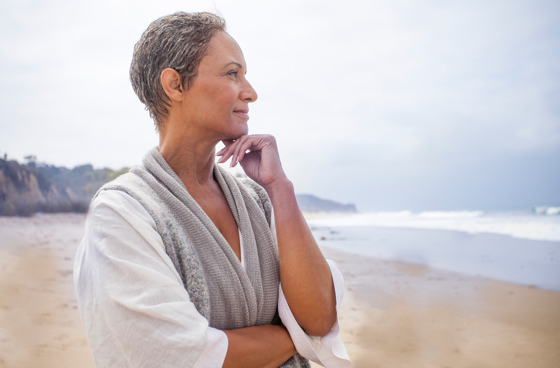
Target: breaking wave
540,223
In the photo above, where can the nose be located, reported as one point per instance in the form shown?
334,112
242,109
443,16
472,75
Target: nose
248,94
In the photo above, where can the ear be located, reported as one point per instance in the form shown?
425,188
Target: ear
171,83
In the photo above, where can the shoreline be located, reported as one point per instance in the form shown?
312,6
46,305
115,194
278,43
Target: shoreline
394,314
402,315
494,256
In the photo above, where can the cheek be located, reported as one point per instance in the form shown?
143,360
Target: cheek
226,97
218,102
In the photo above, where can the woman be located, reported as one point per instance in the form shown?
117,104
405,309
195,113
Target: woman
181,262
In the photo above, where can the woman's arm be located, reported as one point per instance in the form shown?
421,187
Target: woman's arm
304,273
136,310
266,346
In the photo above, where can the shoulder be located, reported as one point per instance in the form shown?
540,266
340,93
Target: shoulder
120,202
115,208
134,186
130,183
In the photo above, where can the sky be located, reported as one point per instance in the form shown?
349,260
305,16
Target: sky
390,105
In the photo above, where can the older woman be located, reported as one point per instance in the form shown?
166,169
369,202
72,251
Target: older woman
184,265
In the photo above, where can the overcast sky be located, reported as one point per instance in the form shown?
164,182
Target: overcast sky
420,105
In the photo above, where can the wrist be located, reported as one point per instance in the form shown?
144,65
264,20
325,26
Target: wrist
287,339
279,187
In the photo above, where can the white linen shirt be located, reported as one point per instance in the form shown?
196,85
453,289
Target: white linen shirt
134,306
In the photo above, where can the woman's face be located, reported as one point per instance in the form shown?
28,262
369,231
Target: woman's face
217,102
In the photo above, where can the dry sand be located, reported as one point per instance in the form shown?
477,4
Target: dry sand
394,314
40,324
401,315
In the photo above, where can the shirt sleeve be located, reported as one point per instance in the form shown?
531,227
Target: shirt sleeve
133,304
328,350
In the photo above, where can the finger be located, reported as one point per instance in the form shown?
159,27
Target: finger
226,143
249,146
241,155
243,143
227,152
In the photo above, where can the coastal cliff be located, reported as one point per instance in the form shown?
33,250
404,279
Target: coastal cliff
30,188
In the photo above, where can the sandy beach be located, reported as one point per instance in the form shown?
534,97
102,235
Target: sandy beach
401,315
40,324
393,315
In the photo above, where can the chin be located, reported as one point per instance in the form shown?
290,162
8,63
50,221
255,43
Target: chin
233,136
242,130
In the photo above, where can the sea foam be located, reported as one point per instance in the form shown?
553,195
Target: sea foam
542,223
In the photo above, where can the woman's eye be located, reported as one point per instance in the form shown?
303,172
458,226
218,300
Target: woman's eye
234,73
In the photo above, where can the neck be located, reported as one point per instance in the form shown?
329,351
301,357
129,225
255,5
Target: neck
189,154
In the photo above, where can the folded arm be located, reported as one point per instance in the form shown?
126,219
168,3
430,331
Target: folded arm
136,310
265,346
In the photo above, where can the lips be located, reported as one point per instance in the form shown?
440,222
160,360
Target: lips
242,112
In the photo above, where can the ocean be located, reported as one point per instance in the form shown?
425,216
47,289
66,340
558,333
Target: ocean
516,246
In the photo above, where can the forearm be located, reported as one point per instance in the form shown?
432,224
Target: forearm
265,346
304,273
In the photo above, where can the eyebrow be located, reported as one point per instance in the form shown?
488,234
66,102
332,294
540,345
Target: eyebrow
235,63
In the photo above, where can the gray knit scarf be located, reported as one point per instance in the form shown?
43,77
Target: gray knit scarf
222,291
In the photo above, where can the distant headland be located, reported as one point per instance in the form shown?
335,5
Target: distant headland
310,203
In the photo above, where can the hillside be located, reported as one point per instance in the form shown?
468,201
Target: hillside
31,187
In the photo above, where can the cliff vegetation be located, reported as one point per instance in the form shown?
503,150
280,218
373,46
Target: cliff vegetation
38,187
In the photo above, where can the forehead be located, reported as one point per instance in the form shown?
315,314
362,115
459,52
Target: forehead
222,50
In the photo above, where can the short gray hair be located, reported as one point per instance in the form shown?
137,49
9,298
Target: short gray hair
178,41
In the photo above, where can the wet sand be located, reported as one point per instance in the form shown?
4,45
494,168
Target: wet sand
394,314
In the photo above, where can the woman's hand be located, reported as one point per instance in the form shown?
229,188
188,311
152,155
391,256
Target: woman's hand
258,156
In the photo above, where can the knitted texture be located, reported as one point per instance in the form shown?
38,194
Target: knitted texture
222,291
